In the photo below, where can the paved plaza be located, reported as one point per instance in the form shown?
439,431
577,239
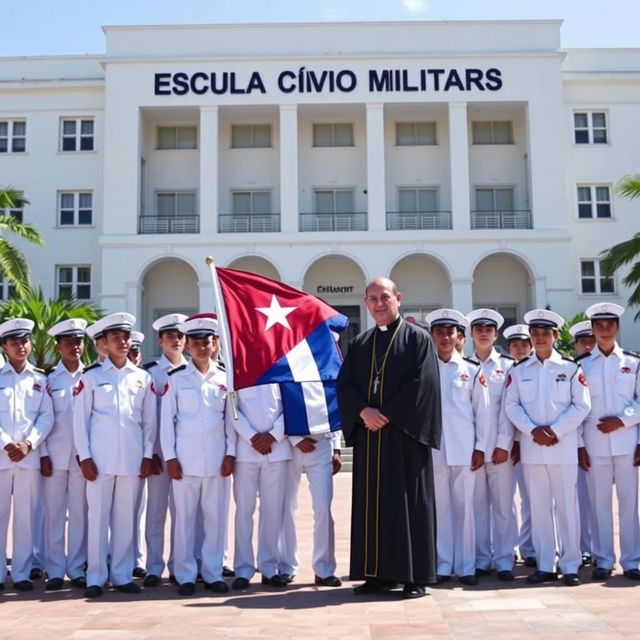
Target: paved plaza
306,612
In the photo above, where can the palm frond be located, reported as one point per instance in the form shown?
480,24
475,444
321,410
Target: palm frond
11,198
619,255
629,186
24,230
14,266
565,341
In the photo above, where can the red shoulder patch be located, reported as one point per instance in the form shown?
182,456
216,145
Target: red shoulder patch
509,381
78,388
582,380
165,388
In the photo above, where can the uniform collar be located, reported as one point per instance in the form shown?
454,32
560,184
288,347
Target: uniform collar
60,368
213,368
108,364
494,356
617,351
165,363
456,358
555,357
9,368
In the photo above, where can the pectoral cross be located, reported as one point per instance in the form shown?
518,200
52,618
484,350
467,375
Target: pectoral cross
376,384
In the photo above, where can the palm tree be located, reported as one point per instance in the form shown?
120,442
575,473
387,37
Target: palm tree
46,313
628,251
13,264
565,341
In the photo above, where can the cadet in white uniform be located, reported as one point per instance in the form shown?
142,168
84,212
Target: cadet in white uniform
261,470
611,437
26,418
493,498
159,495
64,486
114,428
465,421
199,452
547,400
319,457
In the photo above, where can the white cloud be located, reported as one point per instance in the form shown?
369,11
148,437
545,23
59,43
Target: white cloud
415,6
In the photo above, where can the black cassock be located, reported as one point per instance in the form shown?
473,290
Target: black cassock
393,516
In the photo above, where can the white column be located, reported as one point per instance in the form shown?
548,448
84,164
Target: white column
205,295
376,192
133,296
289,209
462,294
208,144
459,165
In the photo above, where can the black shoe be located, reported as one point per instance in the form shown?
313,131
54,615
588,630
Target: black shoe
275,581
505,576
151,580
586,559
54,584
1,586
469,581
240,584
441,579
129,587
186,589
483,572
571,580
413,591
600,573
35,574
80,582
199,578
139,572
227,572
369,586
632,574
288,577
218,586
530,562
23,585
329,581
93,591
172,579
541,576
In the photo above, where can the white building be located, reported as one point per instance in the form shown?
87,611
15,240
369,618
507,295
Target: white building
474,162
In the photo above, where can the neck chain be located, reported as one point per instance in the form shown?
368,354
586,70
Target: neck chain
377,373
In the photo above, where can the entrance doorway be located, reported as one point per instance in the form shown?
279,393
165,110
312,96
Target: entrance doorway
353,328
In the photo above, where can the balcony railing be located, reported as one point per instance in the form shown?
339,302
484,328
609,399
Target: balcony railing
501,219
333,221
248,223
169,224
398,220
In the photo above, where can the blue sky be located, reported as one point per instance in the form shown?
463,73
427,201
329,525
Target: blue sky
36,27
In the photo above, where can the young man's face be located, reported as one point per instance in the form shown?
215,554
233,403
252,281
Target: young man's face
203,349
135,355
484,336
118,343
171,342
17,349
70,348
584,344
445,339
543,338
605,329
519,348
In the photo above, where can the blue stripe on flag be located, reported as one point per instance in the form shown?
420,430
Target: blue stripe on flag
296,412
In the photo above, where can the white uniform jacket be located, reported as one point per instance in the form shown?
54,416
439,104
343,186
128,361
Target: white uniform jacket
59,442
614,385
466,412
192,426
259,411
114,417
159,372
551,393
26,413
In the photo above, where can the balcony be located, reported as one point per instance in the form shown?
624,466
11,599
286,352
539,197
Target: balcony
248,223
333,221
399,220
501,219
169,224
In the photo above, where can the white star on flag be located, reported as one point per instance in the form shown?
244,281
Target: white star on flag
276,314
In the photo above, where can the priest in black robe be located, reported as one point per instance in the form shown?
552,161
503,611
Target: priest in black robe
389,397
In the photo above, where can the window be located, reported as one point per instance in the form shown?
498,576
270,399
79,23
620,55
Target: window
13,136
494,132
334,201
77,134
592,281
177,204
590,127
250,136
75,208
594,201
177,138
7,290
74,281
17,211
251,202
410,134
417,200
494,199
333,135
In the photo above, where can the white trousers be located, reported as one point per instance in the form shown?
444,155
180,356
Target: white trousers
65,540
250,479
523,529
494,520
25,486
111,502
141,514
604,473
554,485
318,467
159,501
456,537
207,495
586,517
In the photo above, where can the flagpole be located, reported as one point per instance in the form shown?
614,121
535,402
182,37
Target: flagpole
225,339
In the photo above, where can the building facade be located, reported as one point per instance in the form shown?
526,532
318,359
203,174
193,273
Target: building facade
473,162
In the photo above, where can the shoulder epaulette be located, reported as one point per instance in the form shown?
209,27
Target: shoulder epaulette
582,355
221,365
517,364
95,365
180,368
149,365
471,360
506,356
49,369
634,354
570,359
39,370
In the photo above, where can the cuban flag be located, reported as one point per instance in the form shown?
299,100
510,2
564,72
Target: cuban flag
273,333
